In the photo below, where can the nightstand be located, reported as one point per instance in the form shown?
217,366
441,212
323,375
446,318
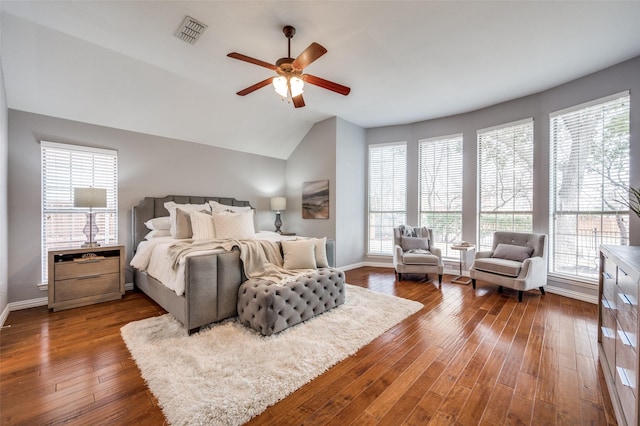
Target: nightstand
83,276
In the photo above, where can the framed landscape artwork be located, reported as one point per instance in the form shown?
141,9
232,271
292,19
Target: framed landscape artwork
315,199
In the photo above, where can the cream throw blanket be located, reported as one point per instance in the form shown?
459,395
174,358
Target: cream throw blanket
260,258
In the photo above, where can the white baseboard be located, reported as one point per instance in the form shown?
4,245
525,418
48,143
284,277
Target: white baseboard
572,294
23,304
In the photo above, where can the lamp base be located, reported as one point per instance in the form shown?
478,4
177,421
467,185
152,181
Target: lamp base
278,223
91,230
90,244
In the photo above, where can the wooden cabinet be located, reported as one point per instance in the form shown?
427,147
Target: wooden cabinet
618,328
79,277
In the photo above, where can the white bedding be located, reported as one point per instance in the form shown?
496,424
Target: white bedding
152,256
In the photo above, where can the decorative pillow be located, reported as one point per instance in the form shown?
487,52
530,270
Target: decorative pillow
157,234
183,224
512,252
202,226
414,243
321,252
299,254
171,206
234,225
218,207
158,223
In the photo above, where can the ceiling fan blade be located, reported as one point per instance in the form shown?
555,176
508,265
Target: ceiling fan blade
326,84
310,54
251,60
255,87
298,102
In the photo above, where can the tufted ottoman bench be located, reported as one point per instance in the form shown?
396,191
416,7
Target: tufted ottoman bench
269,308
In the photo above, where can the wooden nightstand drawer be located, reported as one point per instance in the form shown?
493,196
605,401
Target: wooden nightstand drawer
86,286
86,268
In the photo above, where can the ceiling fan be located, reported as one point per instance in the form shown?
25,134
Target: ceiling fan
290,79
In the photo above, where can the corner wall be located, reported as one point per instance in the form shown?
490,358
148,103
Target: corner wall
147,166
333,149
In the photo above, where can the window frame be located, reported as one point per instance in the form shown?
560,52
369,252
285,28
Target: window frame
441,232
398,216
65,167
485,237
597,216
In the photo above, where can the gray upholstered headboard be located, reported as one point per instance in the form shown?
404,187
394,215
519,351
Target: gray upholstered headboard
152,207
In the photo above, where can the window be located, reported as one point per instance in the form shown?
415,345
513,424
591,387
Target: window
589,173
505,180
440,164
65,167
387,194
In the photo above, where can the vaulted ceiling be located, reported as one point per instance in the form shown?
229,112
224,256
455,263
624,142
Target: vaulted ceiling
118,63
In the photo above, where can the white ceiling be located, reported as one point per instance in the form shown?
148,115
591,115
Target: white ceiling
118,64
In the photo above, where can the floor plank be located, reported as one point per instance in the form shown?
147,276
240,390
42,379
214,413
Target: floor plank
468,357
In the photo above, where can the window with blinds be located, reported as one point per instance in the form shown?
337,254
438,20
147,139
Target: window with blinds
440,186
387,194
65,167
505,180
590,174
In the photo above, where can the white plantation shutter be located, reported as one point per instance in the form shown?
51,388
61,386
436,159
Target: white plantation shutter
387,194
590,173
65,167
440,186
505,180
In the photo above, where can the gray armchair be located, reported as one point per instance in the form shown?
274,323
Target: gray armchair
517,261
416,255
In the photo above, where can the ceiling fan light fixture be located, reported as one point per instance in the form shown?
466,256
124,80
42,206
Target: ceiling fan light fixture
297,86
280,85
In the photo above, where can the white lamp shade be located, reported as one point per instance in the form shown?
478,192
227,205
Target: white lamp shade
89,197
280,85
278,203
296,86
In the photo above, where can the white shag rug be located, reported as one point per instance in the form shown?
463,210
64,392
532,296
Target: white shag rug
227,374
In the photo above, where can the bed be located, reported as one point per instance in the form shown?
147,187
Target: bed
211,280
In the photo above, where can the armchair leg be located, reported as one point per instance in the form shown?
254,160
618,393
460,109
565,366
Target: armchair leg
440,281
520,295
500,289
473,283
399,276
542,290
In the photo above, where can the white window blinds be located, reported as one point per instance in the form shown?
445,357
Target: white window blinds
590,173
387,194
505,180
440,186
65,167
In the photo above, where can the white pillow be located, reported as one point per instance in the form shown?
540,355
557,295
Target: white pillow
321,252
157,234
218,207
202,226
234,225
171,207
158,223
299,254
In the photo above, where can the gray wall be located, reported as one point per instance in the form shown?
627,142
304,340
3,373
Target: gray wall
351,194
624,76
313,159
4,208
333,149
147,166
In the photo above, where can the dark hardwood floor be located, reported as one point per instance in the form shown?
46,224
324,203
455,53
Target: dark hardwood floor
466,358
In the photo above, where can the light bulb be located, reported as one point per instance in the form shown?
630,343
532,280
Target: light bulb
280,85
296,86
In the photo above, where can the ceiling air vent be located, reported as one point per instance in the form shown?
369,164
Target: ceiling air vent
190,30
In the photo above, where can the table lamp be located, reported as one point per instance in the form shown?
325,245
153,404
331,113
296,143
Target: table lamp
91,198
278,204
